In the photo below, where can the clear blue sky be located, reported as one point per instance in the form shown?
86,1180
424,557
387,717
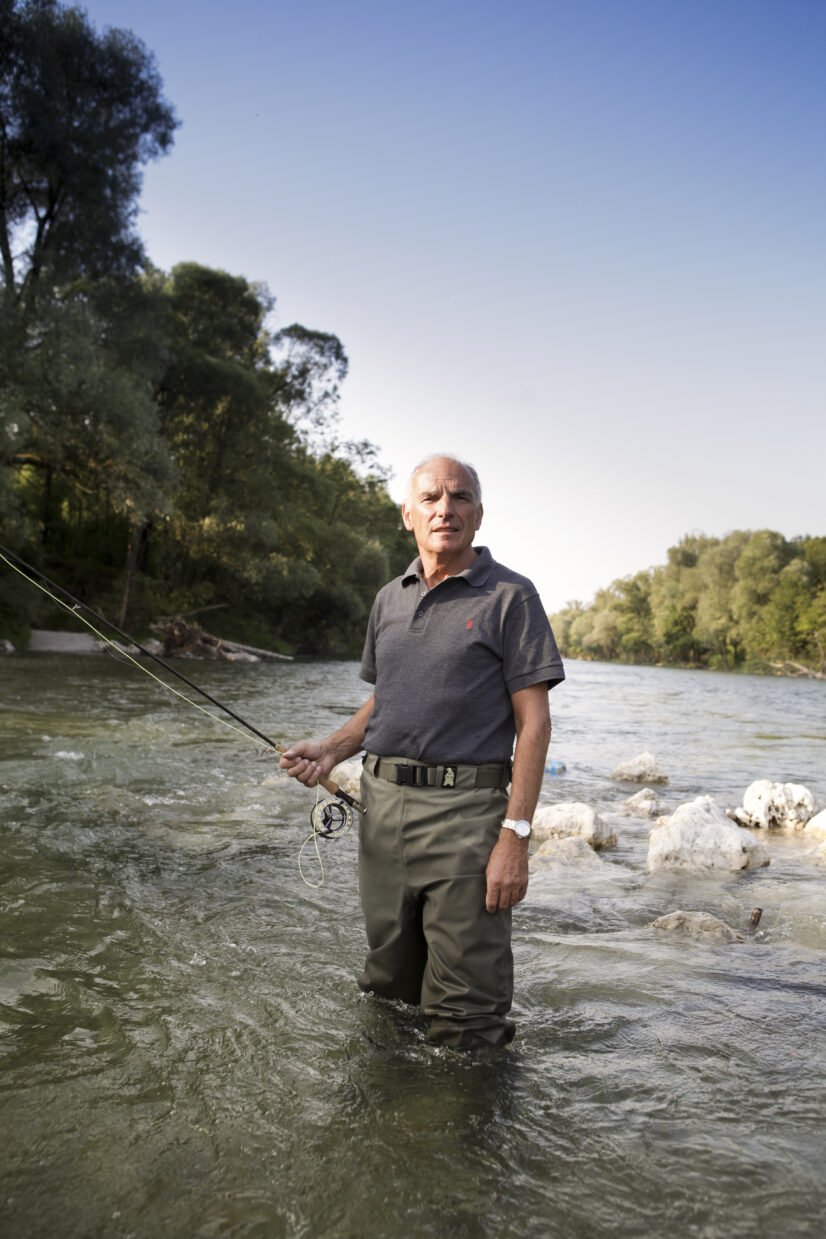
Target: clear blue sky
579,242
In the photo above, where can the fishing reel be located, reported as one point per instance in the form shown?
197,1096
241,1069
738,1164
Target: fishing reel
331,818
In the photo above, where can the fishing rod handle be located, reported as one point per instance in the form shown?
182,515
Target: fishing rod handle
332,787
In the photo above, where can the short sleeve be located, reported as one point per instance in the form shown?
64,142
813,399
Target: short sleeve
368,657
531,655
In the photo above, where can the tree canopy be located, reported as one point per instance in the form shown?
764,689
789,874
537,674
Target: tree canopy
749,599
162,447
80,113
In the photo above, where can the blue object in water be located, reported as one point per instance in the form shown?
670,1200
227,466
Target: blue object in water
556,767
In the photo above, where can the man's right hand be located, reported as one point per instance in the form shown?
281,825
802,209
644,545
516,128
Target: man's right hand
308,762
312,760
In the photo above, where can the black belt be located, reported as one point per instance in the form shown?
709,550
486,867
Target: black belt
421,774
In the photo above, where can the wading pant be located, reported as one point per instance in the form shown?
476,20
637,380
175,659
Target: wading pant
422,858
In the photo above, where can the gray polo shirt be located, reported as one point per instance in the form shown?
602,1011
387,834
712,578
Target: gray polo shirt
444,663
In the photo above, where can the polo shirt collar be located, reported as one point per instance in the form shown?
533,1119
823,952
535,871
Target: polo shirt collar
477,574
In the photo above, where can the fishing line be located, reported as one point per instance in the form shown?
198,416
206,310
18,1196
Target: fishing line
314,836
76,608
73,610
329,818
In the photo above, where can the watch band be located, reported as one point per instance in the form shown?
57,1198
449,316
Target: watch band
521,828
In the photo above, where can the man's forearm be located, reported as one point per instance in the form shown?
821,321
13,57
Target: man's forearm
533,735
349,739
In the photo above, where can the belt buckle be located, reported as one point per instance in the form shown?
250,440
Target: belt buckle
412,776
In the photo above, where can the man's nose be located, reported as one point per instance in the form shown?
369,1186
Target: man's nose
445,506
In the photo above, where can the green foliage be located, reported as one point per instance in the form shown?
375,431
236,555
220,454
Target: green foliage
161,449
745,600
81,113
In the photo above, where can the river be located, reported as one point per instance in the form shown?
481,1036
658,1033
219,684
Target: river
184,1051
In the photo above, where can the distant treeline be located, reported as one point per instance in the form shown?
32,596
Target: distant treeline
162,449
748,600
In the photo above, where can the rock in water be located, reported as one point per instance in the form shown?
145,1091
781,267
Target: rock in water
572,850
643,804
697,925
775,806
572,819
699,837
815,828
642,769
44,641
348,776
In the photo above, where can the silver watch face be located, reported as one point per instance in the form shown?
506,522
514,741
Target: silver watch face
522,828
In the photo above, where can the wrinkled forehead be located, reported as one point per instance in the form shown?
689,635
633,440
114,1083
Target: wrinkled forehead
443,476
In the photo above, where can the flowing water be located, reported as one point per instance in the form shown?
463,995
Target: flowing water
184,1051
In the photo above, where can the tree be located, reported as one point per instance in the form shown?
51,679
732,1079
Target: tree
80,113
562,622
675,590
311,367
633,607
756,569
715,623
91,420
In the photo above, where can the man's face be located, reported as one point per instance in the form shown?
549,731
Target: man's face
442,511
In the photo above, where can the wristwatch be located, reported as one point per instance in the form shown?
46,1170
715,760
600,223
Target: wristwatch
521,829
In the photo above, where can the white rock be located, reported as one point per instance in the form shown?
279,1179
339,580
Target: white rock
699,836
815,828
642,769
570,850
643,804
572,819
775,806
348,776
697,925
44,641
6,646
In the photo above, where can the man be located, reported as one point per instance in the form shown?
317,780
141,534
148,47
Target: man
462,656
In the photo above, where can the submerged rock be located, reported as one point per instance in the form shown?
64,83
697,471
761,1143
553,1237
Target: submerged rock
699,837
643,804
775,806
569,850
642,769
697,925
572,819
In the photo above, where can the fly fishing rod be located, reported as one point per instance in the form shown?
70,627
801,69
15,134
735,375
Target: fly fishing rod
328,818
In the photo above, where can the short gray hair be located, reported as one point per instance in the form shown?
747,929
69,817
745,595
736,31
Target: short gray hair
477,485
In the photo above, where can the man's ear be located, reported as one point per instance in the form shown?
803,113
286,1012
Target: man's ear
480,511
408,523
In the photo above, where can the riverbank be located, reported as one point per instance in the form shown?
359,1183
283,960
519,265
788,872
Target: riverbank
761,667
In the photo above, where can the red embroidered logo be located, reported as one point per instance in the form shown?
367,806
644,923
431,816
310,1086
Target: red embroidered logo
470,623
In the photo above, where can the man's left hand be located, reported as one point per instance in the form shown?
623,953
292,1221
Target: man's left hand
507,872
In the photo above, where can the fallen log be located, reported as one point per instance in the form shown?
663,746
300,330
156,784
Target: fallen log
237,648
184,640
796,670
